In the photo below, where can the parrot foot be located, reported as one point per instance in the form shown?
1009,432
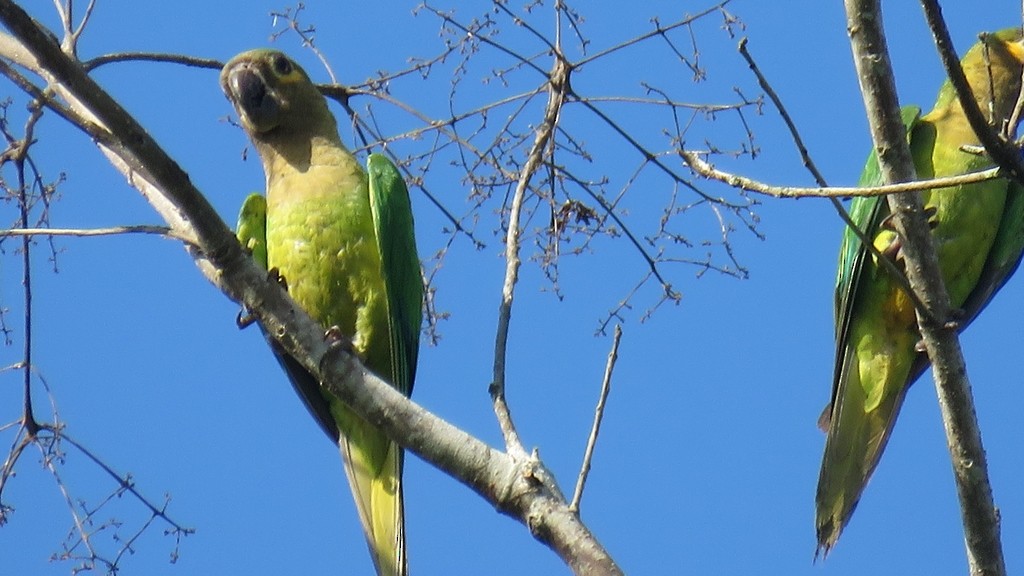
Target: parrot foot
274,275
955,317
886,223
894,251
339,340
929,213
244,319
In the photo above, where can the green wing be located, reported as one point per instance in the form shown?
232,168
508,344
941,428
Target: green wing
858,418
393,224
867,212
393,229
252,227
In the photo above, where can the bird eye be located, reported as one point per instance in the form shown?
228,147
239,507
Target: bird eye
282,65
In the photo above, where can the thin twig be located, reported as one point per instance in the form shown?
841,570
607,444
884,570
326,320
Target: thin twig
124,481
659,30
191,61
606,384
651,261
306,33
20,442
77,33
705,169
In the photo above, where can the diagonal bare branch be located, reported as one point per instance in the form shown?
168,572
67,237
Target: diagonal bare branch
981,520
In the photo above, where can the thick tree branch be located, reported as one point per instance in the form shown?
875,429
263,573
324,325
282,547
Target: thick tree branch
519,487
981,524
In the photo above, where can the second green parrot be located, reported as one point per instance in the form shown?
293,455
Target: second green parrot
342,239
979,235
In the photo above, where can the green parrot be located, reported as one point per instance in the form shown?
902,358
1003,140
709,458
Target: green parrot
979,235
342,240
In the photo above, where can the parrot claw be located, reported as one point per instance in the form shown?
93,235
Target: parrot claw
337,339
920,347
825,419
274,275
894,251
337,342
956,315
929,214
244,319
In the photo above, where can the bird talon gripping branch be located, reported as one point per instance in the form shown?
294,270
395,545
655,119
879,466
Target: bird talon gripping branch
337,339
244,319
930,213
274,275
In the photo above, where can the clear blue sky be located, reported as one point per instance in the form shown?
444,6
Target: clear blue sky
709,454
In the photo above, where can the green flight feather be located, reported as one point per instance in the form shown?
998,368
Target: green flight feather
979,235
343,242
392,215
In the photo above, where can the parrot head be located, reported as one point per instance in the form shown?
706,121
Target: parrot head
271,92
993,67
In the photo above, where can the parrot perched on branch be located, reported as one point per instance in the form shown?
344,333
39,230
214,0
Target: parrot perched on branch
979,236
342,240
